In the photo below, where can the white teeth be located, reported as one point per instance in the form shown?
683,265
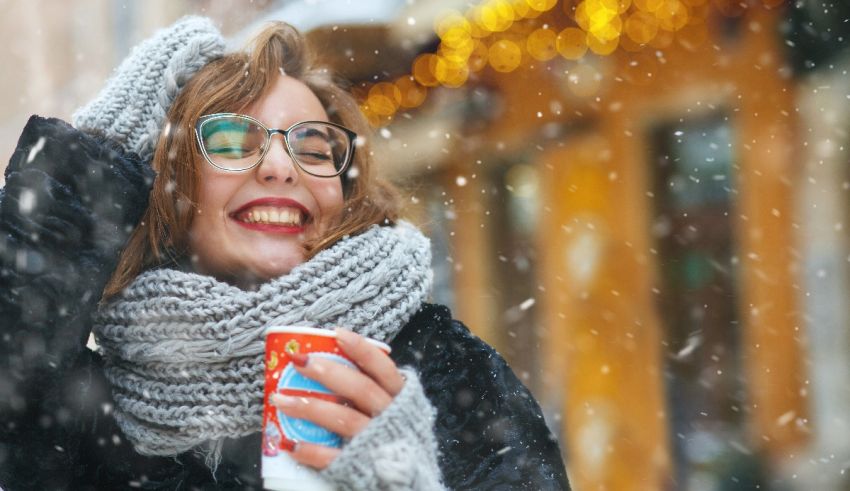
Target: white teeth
277,216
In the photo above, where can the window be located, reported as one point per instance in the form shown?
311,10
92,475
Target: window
693,228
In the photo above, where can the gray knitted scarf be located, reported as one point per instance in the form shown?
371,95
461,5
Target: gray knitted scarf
184,352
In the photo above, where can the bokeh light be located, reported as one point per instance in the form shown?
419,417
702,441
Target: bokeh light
571,43
541,5
662,39
451,20
505,56
449,73
641,27
495,16
672,15
478,56
541,44
648,5
412,93
423,69
602,46
384,98
508,34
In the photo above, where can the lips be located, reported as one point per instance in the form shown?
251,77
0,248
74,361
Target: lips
280,215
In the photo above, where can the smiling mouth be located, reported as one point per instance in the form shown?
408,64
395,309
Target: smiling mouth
272,215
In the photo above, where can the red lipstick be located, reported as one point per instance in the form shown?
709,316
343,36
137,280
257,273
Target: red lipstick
271,227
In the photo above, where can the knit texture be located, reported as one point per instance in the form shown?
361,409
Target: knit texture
396,451
184,352
131,107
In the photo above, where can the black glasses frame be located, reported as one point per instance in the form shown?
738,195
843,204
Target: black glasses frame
352,136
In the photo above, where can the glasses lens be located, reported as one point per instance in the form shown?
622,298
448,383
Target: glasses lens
320,149
232,142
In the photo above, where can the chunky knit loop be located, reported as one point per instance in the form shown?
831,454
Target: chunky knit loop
131,107
184,352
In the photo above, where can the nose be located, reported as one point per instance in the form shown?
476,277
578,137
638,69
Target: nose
277,165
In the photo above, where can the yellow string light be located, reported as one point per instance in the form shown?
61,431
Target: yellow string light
571,43
541,44
423,69
384,98
505,56
412,93
495,16
522,10
450,74
609,30
623,6
450,20
648,5
479,55
641,27
581,16
662,39
672,15
602,46
541,5
517,39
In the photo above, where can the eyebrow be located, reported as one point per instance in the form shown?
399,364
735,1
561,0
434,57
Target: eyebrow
314,132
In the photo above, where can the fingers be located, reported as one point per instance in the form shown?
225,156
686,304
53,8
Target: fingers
348,383
334,417
371,360
316,456
370,391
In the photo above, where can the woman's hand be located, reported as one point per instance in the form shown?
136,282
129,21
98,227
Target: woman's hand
369,392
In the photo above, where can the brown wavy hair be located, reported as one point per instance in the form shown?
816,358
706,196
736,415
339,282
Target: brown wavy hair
229,84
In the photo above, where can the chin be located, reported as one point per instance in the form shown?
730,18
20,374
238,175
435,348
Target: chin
275,268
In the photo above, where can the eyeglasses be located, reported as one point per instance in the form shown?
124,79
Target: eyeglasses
235,142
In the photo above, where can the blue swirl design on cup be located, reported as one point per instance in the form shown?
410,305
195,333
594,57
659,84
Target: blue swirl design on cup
299,429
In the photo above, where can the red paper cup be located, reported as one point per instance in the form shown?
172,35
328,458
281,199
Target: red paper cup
280,432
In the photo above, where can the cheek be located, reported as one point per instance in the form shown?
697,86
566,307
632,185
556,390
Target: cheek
214,192
328,194
206,230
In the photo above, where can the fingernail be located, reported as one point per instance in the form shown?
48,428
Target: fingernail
300,359
288,445
282,400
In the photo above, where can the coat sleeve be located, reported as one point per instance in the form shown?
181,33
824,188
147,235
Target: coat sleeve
489,428
67,208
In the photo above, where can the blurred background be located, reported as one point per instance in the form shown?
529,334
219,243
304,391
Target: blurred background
642,204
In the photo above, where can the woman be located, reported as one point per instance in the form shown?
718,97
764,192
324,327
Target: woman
264,210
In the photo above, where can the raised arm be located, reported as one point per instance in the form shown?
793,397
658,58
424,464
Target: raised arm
67,208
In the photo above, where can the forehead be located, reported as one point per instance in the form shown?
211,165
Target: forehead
285,102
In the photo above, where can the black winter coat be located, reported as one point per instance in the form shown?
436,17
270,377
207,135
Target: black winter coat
66,211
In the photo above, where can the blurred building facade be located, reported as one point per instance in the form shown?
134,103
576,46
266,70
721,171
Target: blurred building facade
655,236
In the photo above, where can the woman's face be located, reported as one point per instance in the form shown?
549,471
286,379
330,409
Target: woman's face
251,226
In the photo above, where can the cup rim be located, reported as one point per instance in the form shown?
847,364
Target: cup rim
317,331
